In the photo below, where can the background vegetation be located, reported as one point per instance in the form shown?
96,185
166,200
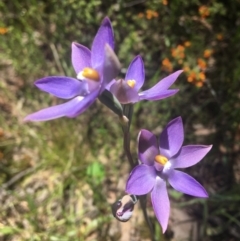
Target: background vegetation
58,178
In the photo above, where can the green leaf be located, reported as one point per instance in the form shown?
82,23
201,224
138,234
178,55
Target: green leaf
96,172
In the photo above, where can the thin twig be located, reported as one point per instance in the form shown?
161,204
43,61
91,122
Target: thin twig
18,176
56,58
132,3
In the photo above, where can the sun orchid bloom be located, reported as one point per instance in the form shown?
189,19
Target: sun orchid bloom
94,70
158,166
127,90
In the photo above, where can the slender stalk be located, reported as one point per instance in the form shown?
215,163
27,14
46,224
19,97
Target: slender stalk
126,146
128,111
142,200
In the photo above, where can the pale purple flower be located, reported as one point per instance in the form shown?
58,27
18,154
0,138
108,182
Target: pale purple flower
126,90
159,159
94,70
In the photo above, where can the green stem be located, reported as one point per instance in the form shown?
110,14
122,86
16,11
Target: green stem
143,205
126,146
128,111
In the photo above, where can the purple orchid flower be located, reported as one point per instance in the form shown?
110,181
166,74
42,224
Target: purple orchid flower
126,90
94,69
158,166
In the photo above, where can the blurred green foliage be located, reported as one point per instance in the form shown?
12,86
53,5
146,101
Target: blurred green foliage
202,37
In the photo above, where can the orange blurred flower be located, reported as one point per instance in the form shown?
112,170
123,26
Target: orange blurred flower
219,36
140,15
3,31
180,47
192,76
204,11
1,132
165,2
155,14
207,53
201,63
196,78
174,52
178,52
186,68
180,61
167,65
199,84
151,14
202,76
1,155
187,43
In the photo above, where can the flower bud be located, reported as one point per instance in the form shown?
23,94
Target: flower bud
122,209
108,99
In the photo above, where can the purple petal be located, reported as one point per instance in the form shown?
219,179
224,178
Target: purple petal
70,109
83,105
123,92
81,57
189,156
136,72
184,183
108,86
160,202
111,67
104,36
166,82
141,180
147,147
159,91
55,111
62,87
156,95
171,139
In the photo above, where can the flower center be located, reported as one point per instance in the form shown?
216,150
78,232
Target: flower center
131,83
161,159
90,73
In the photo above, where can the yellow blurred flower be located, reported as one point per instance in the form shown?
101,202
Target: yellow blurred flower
167,65
204,11
207,53
201,63
3,31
